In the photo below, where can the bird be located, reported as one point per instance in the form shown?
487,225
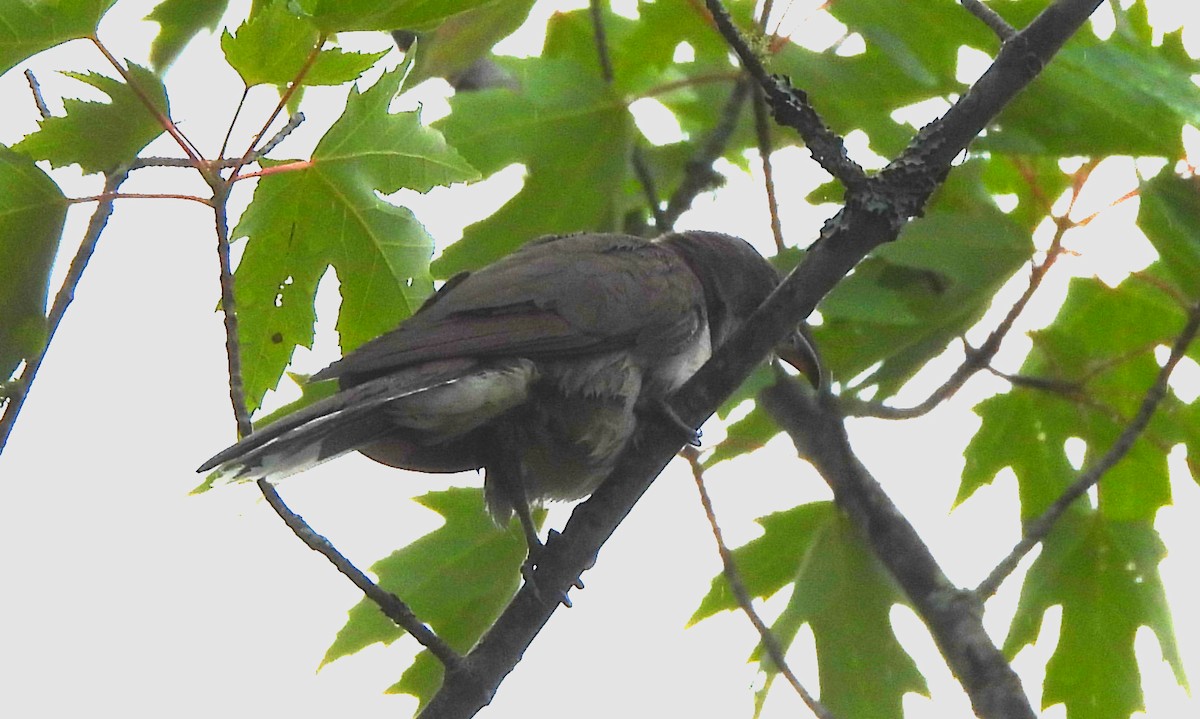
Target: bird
535,368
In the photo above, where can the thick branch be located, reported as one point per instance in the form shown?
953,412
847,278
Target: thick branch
953,616
845,239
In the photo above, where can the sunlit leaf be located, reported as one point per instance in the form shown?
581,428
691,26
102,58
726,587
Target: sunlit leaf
29,26
100,136
32,210
329,214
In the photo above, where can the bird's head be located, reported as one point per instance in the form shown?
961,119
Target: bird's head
736,281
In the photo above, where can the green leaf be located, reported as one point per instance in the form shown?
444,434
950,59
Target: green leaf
329,214
1170,217
903,305
462,39
744,436
334,66
271,46
32,211
842,592
340,15
100,136
1126,96
571,133
179,21
456,579
1105,576
1088,374
29,26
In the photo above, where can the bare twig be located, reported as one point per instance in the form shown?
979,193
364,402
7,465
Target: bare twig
601,39
762,129
729,568
391,605
976,358
66,294
36,89
1039,528
991,18
790,106
109,196
166,122
292,123
642,171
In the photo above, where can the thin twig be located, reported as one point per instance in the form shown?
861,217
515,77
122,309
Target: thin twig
1039,528
601,40
36,89
166,122
976,358
110,196
642,171
729,569
991,18
762,128
19,389
237,112
392,606
293,122
791,107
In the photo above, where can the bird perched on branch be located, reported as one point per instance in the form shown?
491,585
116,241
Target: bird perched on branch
534,368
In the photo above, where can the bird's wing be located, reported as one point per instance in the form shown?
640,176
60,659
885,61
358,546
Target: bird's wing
562,297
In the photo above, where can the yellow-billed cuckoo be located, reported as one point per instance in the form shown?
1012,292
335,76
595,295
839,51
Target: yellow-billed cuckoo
532,368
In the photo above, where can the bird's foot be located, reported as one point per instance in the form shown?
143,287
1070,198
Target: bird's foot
536,552
666,412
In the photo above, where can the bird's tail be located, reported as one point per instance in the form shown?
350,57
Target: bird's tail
327,428
441,399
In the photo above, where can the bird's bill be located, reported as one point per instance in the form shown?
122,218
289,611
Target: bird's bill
800,352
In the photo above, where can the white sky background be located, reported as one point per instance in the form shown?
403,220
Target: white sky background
119,592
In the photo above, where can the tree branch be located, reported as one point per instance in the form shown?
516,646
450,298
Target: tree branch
1039,528
391,605
19,389
952,615
790,106
863,224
